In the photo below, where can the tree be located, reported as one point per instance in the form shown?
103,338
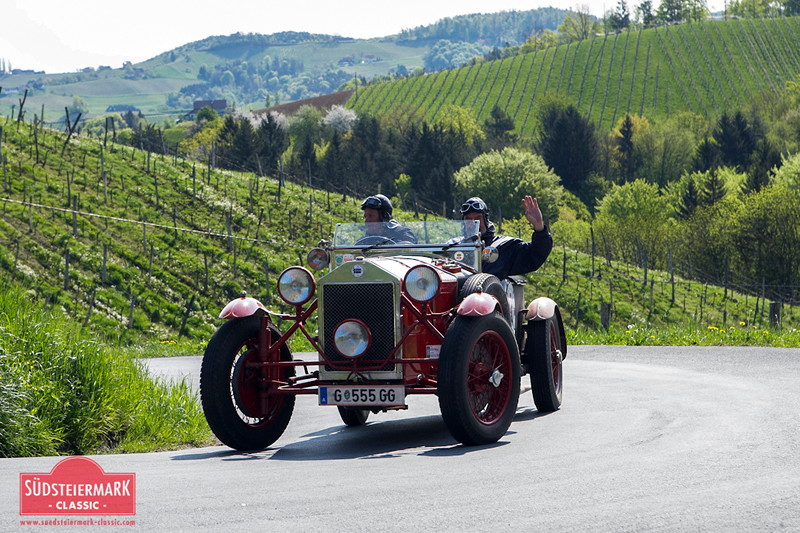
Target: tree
499,127
579,25
78,105
645,14
670,11
712,188
620,18
791,8
502,179
634,218
340,118
624,148
695,10
737,140
566,140
707,155
206,113
459,120
689,196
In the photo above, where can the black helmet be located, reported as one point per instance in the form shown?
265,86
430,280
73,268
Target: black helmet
380,203
475,205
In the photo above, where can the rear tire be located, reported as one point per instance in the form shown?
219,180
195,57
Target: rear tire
489,284
545,364
478,378
229,387
353,417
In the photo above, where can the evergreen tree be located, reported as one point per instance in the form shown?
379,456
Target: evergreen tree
736,139
567,143
707,156
712,189
625,149
689,199
498,127
271,141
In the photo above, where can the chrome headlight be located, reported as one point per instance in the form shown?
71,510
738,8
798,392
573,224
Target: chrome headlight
422,283
296,285
352,338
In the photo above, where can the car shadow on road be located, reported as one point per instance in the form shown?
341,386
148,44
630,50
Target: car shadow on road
423,436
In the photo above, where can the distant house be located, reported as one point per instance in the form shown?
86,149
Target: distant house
220,106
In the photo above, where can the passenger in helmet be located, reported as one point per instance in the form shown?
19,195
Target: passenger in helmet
515,255
379,221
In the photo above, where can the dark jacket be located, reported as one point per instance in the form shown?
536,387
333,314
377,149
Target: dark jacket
397,232
516,256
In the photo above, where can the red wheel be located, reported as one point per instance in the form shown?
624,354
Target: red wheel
478,378
546,369
231,389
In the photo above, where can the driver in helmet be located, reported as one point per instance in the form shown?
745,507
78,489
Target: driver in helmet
379,221
515,256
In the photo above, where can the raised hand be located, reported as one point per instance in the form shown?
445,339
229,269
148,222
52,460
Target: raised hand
533,213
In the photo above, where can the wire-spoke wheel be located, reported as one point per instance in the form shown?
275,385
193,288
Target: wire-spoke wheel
545,365
242,409
478,377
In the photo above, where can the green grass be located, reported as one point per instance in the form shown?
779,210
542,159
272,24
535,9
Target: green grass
64,391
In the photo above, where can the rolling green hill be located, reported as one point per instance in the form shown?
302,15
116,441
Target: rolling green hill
705,68
152,250
290,65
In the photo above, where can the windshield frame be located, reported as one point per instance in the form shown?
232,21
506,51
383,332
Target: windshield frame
469,253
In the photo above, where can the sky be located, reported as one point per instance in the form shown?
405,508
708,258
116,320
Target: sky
65,36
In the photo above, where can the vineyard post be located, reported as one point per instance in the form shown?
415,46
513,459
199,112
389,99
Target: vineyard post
104,271
130,314
75,216
16,258
91,305
578,310
186,315
103,173
66,271
763,297
671,276
605,315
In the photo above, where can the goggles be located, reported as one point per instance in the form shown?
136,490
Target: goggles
371,203
473,205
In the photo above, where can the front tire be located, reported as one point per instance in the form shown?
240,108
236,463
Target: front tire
478,378
229,387
353,417
546,364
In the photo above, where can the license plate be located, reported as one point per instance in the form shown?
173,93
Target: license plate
356,395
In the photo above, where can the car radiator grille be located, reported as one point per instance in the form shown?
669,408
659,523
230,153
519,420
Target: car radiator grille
371,303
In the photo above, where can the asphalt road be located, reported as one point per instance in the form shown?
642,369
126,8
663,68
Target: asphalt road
648,439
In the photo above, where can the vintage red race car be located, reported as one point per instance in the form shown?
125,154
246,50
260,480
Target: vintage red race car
394,319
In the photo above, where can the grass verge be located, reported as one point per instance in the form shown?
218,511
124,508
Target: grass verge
63,391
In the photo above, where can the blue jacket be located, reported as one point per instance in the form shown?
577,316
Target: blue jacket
516,256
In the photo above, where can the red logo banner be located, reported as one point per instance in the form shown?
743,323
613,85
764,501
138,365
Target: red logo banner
77,486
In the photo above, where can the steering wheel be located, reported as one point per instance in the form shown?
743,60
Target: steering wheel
373,239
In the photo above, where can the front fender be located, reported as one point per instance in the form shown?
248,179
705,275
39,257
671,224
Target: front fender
544,308
242,307
479,304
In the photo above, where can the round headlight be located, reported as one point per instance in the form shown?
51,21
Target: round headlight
422,283
296,285
351,338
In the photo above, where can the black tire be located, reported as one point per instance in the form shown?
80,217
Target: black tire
490,285
475,410
545,356
353,417
229,390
